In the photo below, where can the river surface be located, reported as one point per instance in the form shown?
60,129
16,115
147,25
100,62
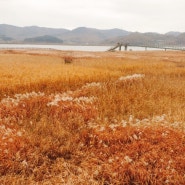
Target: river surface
73,48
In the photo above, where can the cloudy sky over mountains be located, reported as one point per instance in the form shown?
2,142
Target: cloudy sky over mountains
132,15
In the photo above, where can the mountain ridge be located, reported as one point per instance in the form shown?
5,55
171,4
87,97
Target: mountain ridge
84,36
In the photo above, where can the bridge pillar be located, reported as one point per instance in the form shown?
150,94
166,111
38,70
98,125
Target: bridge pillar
120,47
126,45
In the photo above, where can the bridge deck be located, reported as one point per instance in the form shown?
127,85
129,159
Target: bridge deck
148,46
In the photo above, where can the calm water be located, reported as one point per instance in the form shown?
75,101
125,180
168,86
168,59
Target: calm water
62,47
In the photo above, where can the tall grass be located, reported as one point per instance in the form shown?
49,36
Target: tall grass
105,118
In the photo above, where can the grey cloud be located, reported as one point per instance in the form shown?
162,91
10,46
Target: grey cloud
133,15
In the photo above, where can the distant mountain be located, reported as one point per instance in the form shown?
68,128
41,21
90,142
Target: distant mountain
174,33
181,38
21,33
85,36
81,35
152,39
44,40
5,38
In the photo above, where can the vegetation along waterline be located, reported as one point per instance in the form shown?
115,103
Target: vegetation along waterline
70,117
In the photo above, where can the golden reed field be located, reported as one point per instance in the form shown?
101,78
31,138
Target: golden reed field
92,118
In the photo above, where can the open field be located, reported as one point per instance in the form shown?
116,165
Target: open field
106,118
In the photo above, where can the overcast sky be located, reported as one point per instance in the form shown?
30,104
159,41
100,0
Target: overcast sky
131,15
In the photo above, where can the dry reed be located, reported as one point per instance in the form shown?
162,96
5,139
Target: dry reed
107,118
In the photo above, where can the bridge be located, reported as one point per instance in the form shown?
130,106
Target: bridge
157,46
